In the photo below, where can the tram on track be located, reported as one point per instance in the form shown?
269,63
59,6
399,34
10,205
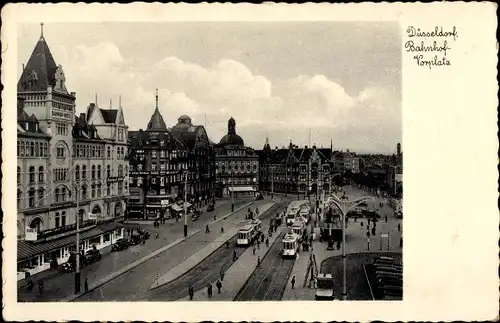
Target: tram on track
298,228
290,245
249,232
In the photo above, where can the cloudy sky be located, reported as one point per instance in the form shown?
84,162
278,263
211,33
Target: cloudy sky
341,79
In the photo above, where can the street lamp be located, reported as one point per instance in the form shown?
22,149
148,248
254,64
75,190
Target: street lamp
344,207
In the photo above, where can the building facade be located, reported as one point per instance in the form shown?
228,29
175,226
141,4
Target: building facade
237,166
302,171
169,166
346,161
49,195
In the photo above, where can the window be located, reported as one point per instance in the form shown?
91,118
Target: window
84,192
139,167
77,172
93,172
153,153
31,200
93,190
40,174
18,148
162,166
32,174
63,218
153,166
120,171
63,194
99,171
41,193
60,152
57,194
84,172
99,190
58,220
120,188
108,171
19,199
120,134
109,152
45,149
18,174
108,189
32,149
162,154
37,150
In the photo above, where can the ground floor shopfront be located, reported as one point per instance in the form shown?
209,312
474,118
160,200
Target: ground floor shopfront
36,256
240,191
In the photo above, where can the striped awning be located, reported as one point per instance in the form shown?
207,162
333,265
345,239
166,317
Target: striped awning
29,249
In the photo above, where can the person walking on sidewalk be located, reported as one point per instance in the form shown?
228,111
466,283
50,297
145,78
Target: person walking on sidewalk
234,255
258,261
258,244
191,292
293,282
209,290
219,286
86,285
253,250
207,229
221,229
222,273
40,287
267,242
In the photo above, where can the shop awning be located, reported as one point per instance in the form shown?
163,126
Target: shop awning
241,189
28,249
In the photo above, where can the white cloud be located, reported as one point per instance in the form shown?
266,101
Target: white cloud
283,110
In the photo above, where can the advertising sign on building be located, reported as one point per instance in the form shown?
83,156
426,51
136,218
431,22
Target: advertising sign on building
31,234
92,216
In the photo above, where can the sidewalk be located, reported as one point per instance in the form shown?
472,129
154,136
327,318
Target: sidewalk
61,286
238,273
202,254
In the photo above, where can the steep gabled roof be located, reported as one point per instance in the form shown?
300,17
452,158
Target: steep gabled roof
40,70
156,122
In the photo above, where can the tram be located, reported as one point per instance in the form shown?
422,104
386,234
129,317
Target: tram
290,245
298,228
249,232
291,214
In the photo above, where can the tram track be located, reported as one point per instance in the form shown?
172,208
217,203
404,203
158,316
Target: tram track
205,272
268,282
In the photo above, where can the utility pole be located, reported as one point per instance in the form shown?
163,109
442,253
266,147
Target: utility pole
272,183
185,205
77,271
232,193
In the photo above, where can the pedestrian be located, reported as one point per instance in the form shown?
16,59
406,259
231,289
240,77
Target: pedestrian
219,286
293,282
40,287
234,255
258,244
267,242
221,229
338,245
222,273
227,244
386,218
258,261
253,250
30,285
207,230
86,285
191,292
209,290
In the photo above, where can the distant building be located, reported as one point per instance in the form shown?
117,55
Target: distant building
237,166
346,161
296,170
168,165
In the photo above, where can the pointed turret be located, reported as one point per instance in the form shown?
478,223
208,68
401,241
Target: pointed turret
40,71
156,122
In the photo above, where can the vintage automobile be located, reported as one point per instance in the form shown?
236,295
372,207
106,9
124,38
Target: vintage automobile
120,244
260,197
93,255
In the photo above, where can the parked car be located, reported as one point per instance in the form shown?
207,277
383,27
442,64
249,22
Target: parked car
120,244
67,267
211,207
144,234
260,197
135,239
93,256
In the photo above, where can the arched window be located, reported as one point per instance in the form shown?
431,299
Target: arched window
126,171
41,196
40,174
77,172
108,171
22,148
57,194
109,152
120,171
84,172
37,224
63,194
99,190
31,199
99,171
32,149
93,190
57,220
108,189
93,172
63,218
19,199
18,174
84,191
32,174
37,150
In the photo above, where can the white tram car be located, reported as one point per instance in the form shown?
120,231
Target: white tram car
290,245
298,228
291,214
249,232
